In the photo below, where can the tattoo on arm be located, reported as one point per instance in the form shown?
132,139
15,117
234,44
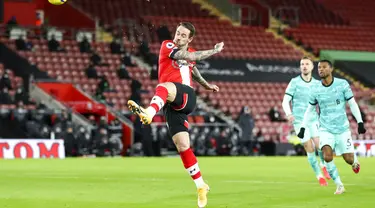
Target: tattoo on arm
198,77
193,56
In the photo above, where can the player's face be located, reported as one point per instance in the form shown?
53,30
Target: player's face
181,38
306,66
324,69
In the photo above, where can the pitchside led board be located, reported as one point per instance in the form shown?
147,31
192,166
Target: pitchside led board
31,148
249,70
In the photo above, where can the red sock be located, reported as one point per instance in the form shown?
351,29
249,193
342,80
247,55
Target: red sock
159,99
190,163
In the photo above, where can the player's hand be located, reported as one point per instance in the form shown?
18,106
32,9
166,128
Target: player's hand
213,87
290,118
301,133
361,128
219,47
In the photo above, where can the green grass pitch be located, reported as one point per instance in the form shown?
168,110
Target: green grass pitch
236,182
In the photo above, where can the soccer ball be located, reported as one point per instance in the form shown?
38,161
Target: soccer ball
57,2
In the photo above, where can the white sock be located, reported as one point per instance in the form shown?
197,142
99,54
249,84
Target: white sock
199,182
319,176
338,181
151,111
355,159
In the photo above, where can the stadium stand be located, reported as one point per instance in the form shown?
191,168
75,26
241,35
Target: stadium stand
357,13
333,37
114,9
255,42
307,12
356,32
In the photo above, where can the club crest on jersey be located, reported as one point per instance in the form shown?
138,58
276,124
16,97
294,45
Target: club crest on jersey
169,45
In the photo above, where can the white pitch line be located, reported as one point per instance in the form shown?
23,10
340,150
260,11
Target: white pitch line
80,177
283,182
163,179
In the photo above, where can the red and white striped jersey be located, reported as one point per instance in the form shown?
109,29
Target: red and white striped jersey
171,70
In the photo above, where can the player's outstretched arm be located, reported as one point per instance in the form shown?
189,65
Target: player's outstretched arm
286,107
198,55
198,78
310,109
357,115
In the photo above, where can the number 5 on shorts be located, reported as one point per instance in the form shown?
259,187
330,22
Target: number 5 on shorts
348,143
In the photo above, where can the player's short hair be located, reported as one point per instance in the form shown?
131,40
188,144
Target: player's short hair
326,61
306,57
188,26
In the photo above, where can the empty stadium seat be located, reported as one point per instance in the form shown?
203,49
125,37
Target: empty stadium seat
308,11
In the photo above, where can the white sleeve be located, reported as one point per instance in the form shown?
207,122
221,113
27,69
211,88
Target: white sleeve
310,109
286,107
355,110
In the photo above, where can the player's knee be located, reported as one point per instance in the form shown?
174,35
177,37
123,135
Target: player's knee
328,157
327,153
308,147
316,142
168,85
182,147
350,161
181,140
161,85
349,158
171,88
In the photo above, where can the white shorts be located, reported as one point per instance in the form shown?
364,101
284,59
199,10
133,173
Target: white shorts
340,143
311,131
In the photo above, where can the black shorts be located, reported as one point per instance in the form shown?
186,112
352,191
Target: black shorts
176,112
